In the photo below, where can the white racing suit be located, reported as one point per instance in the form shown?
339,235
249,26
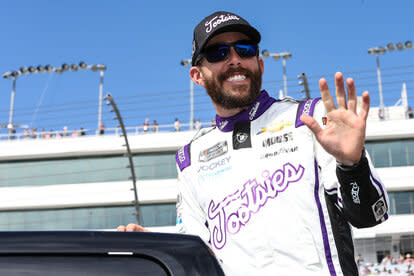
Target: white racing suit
269,200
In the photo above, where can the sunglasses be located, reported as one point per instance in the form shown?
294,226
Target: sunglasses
221,51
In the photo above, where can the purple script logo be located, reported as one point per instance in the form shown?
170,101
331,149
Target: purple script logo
235,210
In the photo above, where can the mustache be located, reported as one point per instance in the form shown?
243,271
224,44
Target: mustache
232,71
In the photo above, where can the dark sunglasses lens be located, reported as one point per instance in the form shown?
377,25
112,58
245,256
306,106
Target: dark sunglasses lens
246,50
217,53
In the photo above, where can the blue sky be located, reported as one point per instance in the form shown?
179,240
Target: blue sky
142,43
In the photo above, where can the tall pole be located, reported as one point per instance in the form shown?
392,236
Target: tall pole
10,125
100,100
382,50
284,76
277,56
303,81
187,62
380,84
191,104
48,68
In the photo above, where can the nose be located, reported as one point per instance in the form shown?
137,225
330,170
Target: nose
234,58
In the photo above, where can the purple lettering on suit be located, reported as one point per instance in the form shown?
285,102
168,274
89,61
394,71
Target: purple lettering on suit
235,210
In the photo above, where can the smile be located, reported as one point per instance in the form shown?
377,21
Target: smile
237,77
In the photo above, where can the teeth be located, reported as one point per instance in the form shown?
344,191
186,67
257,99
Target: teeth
237,78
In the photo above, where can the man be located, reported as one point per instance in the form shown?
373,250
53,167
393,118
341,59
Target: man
177,124
268,189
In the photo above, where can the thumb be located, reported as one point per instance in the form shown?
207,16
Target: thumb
311,123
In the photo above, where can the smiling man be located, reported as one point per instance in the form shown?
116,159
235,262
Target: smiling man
270,190
230,87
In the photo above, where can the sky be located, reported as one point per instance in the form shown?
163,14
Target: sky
143,42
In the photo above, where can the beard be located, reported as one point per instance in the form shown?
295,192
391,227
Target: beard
224,98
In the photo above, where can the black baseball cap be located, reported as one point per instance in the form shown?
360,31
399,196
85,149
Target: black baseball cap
220,22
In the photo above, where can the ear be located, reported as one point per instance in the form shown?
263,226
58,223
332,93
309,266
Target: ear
196,75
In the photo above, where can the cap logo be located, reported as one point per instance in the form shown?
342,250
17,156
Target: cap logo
217,20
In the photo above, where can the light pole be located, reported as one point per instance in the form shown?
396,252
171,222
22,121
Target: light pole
382,50
377,51
59,70
276,56
9,75
187,62
101,68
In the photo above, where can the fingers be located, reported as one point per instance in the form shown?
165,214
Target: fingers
131,228
121,228
326,96
352,97
135,228
340,90
341,96
365,105
311,123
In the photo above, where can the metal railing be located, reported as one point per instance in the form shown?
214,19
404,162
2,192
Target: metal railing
76,133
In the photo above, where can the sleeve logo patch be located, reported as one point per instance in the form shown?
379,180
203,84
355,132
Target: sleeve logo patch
355,193
379,208
181,155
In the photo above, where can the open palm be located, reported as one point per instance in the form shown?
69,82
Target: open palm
344,134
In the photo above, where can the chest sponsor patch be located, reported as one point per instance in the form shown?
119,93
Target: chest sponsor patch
283,150
241,136
230,215
277,139
214,165
214,169
274,127
215,151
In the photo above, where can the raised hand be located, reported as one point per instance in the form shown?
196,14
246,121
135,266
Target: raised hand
344,134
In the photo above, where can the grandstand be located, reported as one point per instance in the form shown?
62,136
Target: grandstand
61,179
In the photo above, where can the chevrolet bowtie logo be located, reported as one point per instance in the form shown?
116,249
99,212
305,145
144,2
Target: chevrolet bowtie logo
274,127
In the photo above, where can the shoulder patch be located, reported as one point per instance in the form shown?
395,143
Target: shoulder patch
183,157
305,107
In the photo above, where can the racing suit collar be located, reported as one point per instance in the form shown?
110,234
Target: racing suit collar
263,102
